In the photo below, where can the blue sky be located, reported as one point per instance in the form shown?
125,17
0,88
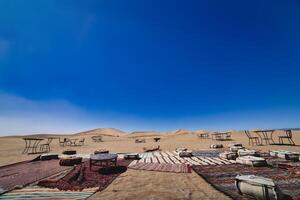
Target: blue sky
69,65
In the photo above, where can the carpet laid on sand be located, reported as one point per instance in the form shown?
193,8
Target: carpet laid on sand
82,177
37,192
172,158
166,167
34,191
208,153
24,173
171,162
281,162
222,178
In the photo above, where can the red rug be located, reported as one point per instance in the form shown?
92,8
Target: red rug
223,177
24,173
82,177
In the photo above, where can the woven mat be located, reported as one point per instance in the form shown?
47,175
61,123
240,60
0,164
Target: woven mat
22,174
33,191
222,178
82,177
162,167
199,153
208,153
172,158
37,192
275,162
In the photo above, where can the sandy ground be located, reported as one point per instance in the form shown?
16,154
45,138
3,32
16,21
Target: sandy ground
135,184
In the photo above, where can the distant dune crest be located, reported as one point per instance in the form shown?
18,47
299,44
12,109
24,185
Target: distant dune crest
104,131
118,133
144,134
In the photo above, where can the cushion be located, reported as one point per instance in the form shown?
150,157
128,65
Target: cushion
252,161
100,151
185,154
228,155
256,187
293,157
235,149
216,146
178,150
70,161
69,152
246,152
235,145
288,155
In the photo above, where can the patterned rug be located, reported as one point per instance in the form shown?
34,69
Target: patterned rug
281,162
222,178
37,192
33,191
166,167
172,158
24,173
82,177
198,153
208,153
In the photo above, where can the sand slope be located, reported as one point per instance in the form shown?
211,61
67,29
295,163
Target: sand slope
134,184
103,131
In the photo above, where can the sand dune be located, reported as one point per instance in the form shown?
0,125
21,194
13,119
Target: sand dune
138,184
103,131
180,132
144,134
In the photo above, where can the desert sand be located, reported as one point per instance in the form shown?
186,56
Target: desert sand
137,184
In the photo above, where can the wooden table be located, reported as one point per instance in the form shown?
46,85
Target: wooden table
31,145
46,146
106,158
203,135
97,138
73,141
266,135
219,135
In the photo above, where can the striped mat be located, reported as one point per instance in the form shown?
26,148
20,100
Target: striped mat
172,158
37,192
162,167
33,191
25,173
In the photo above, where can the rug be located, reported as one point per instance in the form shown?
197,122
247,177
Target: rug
82,177
172,158
222,178
24,173
281,162
208,153
37,192
33,191
162,167
198,153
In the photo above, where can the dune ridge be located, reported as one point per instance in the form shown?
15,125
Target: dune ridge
103,131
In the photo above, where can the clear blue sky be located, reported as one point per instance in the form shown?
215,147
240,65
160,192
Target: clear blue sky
67,65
